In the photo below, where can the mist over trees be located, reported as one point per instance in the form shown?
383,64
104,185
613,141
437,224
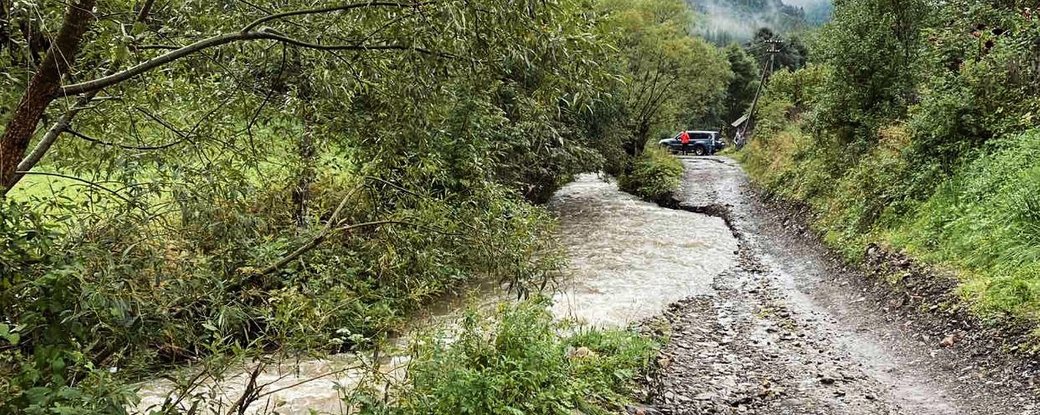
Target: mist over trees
727,21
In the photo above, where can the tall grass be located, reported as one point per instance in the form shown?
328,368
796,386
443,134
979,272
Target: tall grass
518,360
983,222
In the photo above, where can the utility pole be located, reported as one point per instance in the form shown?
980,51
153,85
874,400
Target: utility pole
767,68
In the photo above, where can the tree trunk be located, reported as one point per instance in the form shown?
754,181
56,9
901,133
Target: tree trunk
307,151
5,25
42,90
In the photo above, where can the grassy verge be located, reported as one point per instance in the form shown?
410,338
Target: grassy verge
518,360
655,175
982,222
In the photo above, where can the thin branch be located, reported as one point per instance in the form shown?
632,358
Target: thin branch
332,221
123,146
219,40
52,135
145,10
84,181
272,35
343,7
162,122
376,179
321,238
157,47
308,380
106,81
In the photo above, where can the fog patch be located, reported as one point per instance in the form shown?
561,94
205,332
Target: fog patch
725,21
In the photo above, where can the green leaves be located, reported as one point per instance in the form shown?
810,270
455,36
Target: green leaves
9,334
655,175
518,361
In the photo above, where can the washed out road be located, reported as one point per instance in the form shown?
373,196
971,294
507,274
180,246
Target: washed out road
762,319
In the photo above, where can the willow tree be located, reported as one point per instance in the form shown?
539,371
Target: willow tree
59,78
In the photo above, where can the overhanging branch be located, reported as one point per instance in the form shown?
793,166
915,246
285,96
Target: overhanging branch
256,23
122,146
219,40
248,33
77,179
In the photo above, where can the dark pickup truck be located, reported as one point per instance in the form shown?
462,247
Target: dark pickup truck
702,143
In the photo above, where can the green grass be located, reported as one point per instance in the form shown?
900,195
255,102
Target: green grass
983,222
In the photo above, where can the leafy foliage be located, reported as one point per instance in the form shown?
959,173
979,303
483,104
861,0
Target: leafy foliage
306,188
672,79
931,155
655,175
516,362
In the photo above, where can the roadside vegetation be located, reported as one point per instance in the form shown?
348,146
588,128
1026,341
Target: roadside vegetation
918,134
194,183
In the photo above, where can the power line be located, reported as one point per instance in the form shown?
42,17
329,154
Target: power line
775,45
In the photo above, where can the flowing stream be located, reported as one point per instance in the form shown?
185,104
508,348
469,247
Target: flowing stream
628,260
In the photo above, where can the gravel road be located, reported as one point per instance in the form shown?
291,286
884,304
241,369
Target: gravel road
789,330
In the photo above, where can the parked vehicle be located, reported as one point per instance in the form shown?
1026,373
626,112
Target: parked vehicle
702,143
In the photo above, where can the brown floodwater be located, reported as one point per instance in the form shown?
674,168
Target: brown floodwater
629,258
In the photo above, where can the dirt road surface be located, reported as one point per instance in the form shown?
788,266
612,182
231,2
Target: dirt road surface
789,330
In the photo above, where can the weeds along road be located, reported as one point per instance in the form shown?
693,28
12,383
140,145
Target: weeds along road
774,325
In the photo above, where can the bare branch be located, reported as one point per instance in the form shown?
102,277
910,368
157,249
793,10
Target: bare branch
123,146
256,23
84,181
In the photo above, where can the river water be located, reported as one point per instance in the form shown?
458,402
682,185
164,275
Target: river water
628,259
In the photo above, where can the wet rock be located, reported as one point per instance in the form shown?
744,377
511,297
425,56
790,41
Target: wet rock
641,410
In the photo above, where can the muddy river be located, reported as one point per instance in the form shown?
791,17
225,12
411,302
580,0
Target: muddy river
628,260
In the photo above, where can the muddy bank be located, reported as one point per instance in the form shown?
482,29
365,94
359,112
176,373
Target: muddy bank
792,330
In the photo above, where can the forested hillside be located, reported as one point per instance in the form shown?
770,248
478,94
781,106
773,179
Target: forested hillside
204,182
915,129
725,21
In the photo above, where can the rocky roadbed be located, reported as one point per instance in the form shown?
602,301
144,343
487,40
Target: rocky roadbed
792,330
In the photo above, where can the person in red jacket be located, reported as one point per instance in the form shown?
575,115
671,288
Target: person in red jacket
684,138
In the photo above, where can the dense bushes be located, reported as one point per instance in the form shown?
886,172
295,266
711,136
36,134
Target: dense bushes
517,362
655,175
933,158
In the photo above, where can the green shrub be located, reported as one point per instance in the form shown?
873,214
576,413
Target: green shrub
518,362
655,175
